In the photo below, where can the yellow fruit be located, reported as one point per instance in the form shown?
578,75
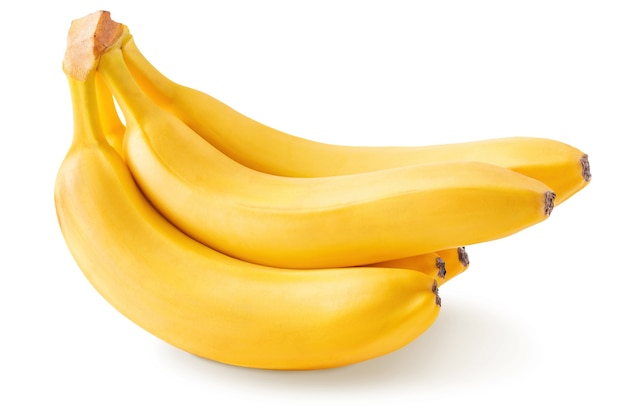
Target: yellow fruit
205,302
563,168
441,266
313,222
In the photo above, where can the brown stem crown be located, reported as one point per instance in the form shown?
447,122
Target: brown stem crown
87,39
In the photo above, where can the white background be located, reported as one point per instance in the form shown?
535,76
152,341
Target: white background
536,325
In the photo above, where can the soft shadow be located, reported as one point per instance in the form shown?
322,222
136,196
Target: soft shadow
471,341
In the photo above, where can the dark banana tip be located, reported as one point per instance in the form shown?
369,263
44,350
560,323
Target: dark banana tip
549,202
435,290
441,266
463,256
584,162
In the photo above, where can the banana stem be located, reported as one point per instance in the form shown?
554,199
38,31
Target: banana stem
87,125
87,39
125,89
147,76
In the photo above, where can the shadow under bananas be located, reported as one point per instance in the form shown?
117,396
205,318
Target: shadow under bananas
471,342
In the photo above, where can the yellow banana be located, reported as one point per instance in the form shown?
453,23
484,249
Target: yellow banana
200,300
313,222
441,266
560,166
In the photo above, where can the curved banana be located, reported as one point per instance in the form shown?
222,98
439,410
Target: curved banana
313,222
441,266
560,166
204,302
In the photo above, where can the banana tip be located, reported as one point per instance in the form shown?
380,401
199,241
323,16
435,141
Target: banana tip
584,162
549,202
435,291
441,266
463,256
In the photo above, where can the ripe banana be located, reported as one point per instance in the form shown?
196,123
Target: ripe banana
313,222
200,300
441,266
560,166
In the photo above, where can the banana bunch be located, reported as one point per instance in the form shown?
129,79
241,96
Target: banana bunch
237,242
